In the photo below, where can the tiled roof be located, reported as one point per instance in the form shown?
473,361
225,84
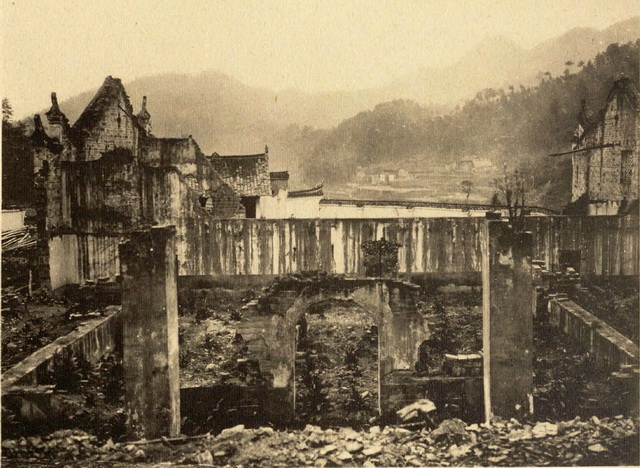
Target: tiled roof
311,192
248,175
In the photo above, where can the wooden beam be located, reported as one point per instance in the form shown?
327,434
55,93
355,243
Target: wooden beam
606,145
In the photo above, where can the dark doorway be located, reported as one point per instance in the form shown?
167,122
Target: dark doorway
250,204
570,258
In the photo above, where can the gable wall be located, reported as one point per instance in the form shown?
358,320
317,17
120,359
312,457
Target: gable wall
107,134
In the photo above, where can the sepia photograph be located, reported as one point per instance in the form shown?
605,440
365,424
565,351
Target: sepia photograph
305,233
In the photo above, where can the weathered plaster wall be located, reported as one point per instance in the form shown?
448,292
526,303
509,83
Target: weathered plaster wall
63,261
93,339
103,193
12,219
150,333
336,210
207,246
283,207
429,245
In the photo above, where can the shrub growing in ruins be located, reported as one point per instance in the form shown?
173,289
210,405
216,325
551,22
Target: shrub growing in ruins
381,258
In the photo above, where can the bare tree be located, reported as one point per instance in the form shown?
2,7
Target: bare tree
512,187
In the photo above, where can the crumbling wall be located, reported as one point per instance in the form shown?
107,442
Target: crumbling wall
608,175
103,193
270,335
604,344
609,245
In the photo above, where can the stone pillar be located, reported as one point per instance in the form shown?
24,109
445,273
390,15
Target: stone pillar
507,325
150,333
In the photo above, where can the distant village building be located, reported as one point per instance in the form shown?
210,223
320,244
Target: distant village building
380,176
605,155
473,164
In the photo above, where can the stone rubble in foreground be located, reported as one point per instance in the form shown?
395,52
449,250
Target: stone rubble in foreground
607,441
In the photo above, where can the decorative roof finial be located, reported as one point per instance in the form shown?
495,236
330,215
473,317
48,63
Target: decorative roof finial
144,118
55,115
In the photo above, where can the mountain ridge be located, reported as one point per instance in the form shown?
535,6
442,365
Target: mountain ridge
229,117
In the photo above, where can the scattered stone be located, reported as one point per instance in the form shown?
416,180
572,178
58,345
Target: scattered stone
374,430
204,458
327,449
544,429
597,448
232,431
453,429
373,450
353,447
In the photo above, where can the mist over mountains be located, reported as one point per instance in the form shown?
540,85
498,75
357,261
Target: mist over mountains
498,62
229,117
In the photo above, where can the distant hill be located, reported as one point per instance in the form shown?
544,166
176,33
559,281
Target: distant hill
498,62
228,117
518,127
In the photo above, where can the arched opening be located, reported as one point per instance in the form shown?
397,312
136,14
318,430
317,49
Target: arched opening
336,370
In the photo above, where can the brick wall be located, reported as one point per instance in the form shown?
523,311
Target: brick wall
609,174
114,129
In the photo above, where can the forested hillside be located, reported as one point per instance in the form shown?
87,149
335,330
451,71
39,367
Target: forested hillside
517,126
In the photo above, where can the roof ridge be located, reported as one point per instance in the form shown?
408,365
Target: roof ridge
110,89
425,203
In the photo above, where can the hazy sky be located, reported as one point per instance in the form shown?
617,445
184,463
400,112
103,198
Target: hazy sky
70,46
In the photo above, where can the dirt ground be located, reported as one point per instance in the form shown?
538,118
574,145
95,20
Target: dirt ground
28,324
208,320
337,386
566,382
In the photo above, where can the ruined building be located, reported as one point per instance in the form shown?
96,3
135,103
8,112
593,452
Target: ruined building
107,175
605,154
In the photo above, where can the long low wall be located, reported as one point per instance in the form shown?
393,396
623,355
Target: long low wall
605,345
223,247
93,339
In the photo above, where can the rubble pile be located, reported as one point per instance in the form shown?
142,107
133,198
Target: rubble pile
209,353
594,441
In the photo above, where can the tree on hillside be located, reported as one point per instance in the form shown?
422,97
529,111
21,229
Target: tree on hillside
17,164
519,126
